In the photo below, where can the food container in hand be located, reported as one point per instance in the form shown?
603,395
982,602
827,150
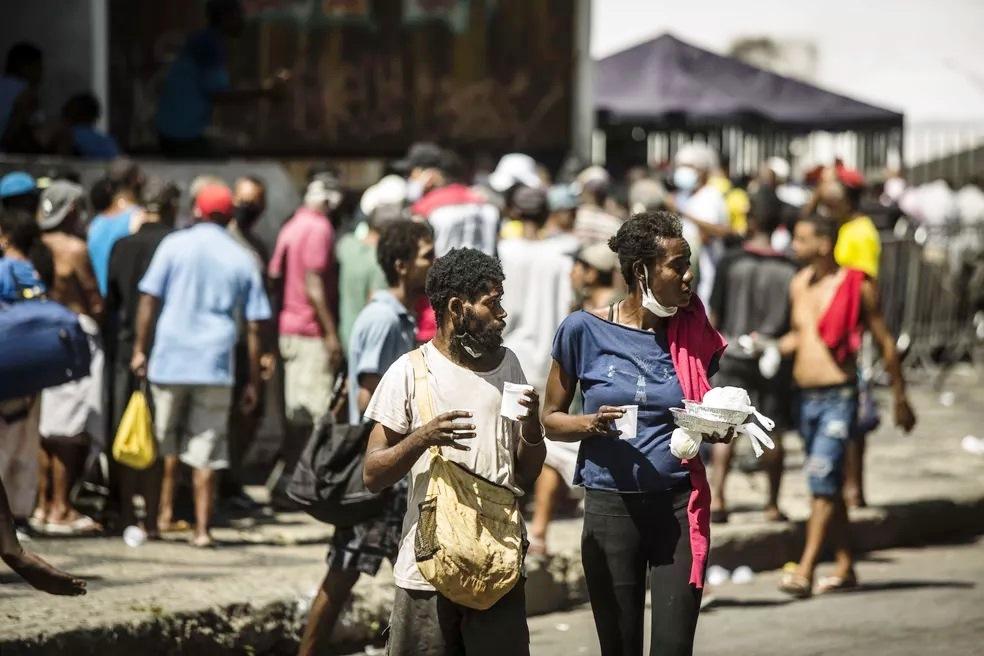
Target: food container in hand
730,416
699,424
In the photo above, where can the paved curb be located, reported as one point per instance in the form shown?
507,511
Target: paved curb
896,525
553,584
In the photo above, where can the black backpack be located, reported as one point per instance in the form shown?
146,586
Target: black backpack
327,481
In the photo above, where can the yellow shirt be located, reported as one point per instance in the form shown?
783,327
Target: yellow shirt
858,246
736,200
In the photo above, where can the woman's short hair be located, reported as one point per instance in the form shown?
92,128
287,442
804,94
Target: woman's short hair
640,239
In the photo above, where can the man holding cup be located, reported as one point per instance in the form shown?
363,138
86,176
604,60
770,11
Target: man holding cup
467,371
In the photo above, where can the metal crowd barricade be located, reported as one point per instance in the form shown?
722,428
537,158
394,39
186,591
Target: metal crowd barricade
930,284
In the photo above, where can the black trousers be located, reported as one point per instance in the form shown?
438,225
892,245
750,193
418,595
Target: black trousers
626,539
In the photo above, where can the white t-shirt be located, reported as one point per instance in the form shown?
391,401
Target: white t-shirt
706,204
537,295
491,453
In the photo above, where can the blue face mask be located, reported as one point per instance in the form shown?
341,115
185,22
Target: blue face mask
685,178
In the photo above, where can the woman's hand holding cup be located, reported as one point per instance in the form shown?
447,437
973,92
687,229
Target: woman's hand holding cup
601,422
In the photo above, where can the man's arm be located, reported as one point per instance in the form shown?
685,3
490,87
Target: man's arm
314,287
390,455
254,347
146,317
875,322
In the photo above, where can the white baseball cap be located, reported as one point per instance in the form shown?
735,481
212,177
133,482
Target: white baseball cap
390,190
513,169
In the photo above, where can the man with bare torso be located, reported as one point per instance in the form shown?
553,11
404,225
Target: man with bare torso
830,306
71,414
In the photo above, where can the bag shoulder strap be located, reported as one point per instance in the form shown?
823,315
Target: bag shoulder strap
421,388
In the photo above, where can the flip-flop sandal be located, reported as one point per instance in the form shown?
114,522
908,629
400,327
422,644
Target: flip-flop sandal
37,521
795,585
83,525
202,543
776,516
179,526
830,584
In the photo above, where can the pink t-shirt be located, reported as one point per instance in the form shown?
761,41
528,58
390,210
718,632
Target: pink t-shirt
305,243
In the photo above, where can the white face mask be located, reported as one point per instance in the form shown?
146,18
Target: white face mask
685,178
415,189
649,300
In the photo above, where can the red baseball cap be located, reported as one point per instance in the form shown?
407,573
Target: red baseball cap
849,177
214,199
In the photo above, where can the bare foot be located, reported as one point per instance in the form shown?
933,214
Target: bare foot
43,576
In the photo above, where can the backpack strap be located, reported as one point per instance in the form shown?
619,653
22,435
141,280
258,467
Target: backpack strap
421,389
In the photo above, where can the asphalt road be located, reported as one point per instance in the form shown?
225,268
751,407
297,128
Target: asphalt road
912,602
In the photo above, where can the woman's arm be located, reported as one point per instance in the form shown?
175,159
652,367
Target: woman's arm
564,427
530,451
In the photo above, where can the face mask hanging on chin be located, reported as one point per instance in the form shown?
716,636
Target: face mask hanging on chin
649,300
468,345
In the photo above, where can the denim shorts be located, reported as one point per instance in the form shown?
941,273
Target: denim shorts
827,420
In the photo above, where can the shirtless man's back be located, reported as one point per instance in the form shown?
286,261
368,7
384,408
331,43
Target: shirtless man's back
74,284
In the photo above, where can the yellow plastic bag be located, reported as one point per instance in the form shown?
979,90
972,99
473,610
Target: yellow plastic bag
134,443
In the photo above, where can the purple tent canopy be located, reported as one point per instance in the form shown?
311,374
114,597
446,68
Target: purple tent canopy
667,82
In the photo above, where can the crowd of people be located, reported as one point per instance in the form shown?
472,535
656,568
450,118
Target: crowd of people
415,313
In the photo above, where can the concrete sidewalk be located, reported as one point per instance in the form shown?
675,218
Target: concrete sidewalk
251,595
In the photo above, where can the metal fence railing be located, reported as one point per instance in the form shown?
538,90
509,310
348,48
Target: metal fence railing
932,293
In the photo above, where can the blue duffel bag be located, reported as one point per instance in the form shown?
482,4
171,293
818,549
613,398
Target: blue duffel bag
41,345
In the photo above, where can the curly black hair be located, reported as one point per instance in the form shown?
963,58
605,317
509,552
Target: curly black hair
640,239
399,241
463,272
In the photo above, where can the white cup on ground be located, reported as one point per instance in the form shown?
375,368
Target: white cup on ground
627,422
512,394
134,536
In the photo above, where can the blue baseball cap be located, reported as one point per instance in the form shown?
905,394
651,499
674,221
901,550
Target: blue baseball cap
17,183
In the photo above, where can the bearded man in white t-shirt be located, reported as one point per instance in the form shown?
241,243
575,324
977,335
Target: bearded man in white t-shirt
467,370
